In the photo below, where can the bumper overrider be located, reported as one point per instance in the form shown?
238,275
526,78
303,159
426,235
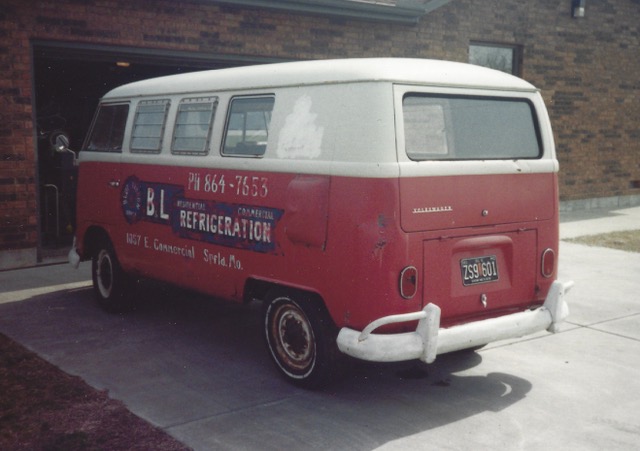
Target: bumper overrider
74,257
429,340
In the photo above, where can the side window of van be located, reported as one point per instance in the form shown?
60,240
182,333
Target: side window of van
148,126
107,133
247,128
440,127
193,126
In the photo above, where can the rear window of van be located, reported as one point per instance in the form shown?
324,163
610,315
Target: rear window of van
438,127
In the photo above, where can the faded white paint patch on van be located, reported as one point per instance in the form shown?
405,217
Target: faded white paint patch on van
300,137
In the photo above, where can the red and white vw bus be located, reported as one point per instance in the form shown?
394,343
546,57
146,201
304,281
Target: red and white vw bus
387,209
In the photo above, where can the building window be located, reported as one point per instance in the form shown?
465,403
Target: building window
505,58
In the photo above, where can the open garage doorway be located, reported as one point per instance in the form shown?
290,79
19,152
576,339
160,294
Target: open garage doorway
68,82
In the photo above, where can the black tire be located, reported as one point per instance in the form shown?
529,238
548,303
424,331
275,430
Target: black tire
110,284
301,338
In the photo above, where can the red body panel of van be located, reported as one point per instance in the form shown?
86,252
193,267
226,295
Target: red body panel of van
345,238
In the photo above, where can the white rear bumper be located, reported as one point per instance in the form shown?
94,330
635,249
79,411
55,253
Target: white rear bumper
429,340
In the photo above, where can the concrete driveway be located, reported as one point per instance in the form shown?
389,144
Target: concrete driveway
198,368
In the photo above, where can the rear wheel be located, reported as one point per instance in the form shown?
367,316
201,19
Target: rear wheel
110,283
302,339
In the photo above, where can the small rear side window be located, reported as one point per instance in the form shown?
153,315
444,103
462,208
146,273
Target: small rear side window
148,126
469,128
193,126
247,129
107,132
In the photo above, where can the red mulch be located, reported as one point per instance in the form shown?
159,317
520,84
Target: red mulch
43,408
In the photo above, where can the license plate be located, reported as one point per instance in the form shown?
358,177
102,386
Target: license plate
479,270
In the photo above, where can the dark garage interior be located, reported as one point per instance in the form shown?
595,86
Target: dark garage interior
68,82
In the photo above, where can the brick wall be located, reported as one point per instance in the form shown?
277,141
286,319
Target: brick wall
18,207
588,70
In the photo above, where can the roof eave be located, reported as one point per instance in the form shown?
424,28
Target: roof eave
402,11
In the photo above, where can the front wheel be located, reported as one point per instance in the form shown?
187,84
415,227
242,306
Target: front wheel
110,283
302,340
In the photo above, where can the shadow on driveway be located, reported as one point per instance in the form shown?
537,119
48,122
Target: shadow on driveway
198,368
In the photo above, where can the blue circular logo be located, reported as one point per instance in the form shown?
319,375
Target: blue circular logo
131,200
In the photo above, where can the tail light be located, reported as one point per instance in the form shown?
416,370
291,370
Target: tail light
408,282
548,262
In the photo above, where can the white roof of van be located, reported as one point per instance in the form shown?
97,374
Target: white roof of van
398,70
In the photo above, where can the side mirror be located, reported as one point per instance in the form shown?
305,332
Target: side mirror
61,143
